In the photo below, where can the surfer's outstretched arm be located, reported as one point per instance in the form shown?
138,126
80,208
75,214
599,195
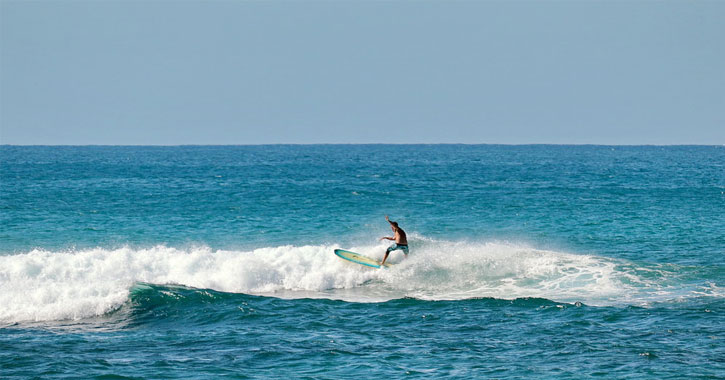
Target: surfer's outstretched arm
387,237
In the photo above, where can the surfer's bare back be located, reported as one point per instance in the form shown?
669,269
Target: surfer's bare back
401,240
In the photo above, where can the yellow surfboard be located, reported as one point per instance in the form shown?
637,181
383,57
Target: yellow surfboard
358,258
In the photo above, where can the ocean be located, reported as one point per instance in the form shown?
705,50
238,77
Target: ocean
207,262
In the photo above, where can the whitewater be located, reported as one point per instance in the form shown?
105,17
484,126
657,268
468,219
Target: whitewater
45,286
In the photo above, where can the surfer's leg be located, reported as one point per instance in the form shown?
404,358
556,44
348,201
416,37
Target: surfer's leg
386,257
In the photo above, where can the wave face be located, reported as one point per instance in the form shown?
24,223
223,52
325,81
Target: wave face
43,285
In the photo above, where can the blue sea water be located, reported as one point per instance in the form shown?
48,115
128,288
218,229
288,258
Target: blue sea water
561,262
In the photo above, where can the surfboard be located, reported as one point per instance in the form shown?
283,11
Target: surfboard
358,258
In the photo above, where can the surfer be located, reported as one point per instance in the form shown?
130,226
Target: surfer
401,241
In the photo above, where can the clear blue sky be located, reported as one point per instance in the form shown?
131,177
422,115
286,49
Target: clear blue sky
252,72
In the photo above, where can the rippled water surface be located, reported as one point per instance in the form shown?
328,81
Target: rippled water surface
206,262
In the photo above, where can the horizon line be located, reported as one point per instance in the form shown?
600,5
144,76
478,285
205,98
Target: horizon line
318,144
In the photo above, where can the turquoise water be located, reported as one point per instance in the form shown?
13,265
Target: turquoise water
563,262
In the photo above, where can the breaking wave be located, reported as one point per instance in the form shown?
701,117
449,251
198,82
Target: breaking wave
43,285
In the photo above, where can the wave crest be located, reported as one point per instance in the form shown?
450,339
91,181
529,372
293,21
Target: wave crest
42,285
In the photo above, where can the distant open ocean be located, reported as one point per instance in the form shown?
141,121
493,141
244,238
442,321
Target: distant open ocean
206,262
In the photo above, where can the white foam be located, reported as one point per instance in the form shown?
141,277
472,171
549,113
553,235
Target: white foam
455,270
42,285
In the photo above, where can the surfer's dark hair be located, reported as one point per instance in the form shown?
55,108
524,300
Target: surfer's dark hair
394,224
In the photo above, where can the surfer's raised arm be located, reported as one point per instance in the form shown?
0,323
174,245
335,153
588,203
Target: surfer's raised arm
395,226
389,221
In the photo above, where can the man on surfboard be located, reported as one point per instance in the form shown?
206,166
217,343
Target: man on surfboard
401,241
